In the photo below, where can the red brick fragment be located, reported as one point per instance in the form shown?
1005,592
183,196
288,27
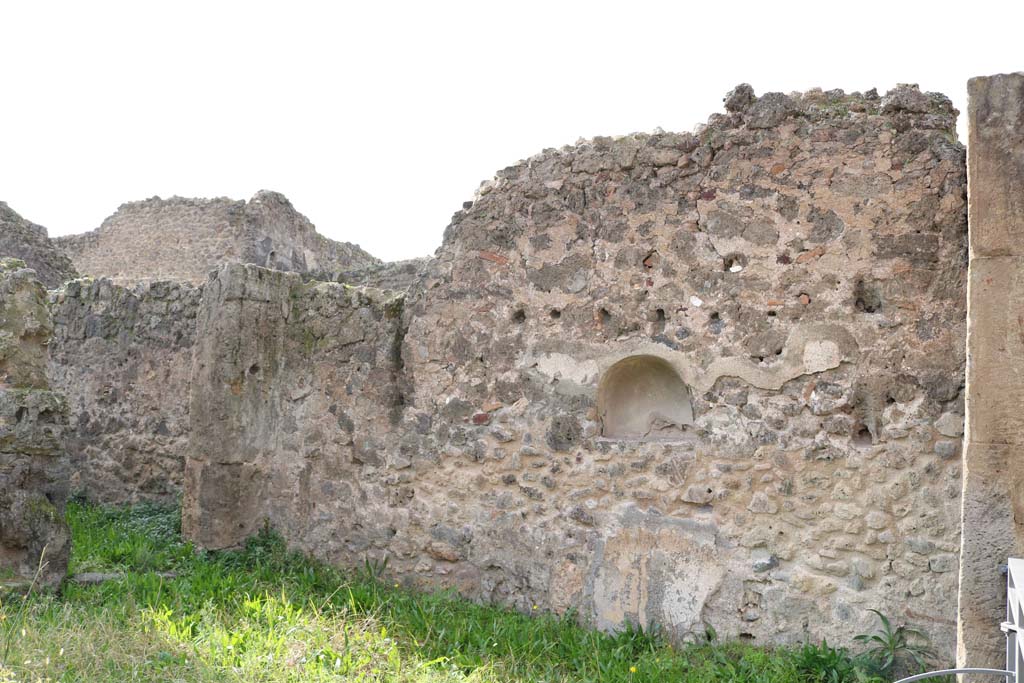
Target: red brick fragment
810,255
494,258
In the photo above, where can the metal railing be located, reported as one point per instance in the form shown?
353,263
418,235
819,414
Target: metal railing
949,672
1011,627
1014,616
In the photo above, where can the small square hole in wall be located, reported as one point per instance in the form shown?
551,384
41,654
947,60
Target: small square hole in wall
861,437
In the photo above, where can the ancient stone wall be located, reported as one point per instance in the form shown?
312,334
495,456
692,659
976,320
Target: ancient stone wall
800,264
791,278
22,239
34,540
122,358
993,488
185,239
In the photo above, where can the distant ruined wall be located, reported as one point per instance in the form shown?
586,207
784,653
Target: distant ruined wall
161,239
185,239
795,271
122,358
33,466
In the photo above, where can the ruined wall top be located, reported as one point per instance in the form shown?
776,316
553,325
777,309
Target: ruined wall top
185,239
29,242
908,119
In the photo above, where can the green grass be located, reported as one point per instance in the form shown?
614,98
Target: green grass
264,614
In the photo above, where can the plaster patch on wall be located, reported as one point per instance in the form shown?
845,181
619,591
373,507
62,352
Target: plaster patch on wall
809,349
566,368
821,355
652,569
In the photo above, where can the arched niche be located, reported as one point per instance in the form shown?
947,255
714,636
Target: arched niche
643,397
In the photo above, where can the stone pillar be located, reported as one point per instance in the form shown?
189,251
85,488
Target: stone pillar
33,465
233,412
993,481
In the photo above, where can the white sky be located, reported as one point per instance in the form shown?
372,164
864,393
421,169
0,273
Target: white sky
378,119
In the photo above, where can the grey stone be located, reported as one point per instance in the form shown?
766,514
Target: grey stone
699,494
950,424
766,564
564,432
770,110
943,563
762,504
909,98
921,546
739,98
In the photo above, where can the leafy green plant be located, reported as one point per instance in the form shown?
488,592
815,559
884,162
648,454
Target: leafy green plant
826,664
892,649
633,641
373,570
